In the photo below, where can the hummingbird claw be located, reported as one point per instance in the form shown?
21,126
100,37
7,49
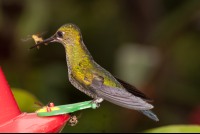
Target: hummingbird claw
97,101
98,105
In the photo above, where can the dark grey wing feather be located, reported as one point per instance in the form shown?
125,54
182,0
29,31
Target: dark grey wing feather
117,96
133,90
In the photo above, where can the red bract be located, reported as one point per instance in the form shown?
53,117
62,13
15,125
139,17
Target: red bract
13,121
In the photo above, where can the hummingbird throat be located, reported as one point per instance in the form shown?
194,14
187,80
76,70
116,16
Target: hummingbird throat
77,54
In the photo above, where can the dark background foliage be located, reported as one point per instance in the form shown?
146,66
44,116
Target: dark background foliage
153,44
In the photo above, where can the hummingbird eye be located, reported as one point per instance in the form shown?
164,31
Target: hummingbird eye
60,34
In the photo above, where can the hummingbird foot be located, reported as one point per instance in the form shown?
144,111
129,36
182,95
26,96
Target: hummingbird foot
97,101
98,105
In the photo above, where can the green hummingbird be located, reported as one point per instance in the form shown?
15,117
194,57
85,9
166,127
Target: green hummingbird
92,79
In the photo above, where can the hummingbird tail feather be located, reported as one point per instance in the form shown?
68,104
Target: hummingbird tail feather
149,114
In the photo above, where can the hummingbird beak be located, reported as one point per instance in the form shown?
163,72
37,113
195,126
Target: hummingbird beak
45,41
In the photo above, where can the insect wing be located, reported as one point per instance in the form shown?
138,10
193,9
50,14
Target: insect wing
41,33
26,39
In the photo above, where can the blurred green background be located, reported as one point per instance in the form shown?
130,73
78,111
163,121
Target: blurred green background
152,44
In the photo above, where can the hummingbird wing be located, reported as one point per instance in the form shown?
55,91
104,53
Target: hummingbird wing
133,90
117,96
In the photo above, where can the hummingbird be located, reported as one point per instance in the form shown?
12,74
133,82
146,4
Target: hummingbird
92,79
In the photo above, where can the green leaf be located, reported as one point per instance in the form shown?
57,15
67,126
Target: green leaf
25,100
176,129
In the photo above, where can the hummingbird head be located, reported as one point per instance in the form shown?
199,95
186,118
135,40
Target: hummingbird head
67,34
